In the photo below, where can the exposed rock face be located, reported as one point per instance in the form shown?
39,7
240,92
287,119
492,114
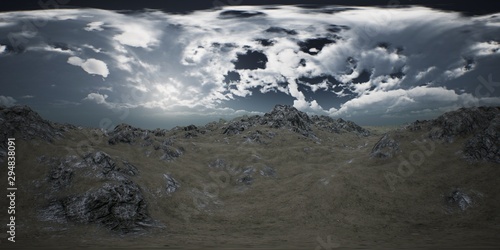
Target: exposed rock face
482,123
192,131
247,177
170,153
124,133
386,147
23,123
172,184
463,122
117,206
118,203
284,116
338,125
235,128
128,169
28,124
485,145
61,175
459,199
288,117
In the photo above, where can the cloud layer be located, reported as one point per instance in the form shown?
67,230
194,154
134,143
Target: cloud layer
354,62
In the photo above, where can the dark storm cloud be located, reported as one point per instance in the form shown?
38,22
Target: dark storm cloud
281,30
315,45
237,14
251,60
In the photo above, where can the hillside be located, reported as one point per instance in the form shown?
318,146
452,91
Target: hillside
282,180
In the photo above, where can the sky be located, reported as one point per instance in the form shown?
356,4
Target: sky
158,64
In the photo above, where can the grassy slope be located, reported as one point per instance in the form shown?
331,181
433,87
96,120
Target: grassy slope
331,188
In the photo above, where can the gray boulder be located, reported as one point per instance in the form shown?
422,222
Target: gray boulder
459,199
485,145
117,206
124,133
234,128
172,184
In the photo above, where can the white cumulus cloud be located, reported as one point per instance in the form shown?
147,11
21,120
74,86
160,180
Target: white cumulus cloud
91,65
94,26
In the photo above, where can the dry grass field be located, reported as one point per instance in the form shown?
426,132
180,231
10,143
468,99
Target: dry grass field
284,192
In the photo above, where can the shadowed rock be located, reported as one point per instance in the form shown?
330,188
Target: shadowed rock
118,203
284,116
235,128
21,122
61,176
481,124
125,133
117,206
128,169
463,122
459,199
486,144
288,117
170,153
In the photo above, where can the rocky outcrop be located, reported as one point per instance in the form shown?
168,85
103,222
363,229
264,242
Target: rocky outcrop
284,116
464,121
479,124
22,122
124,133
192,131
485,145
118,203
459,123
26,124
61,174
338,125
386,147
288,117
117,206
458,199
235,127
172,184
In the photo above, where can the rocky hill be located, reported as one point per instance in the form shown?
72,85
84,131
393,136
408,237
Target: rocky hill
283,179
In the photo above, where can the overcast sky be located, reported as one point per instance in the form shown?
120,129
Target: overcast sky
153,64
